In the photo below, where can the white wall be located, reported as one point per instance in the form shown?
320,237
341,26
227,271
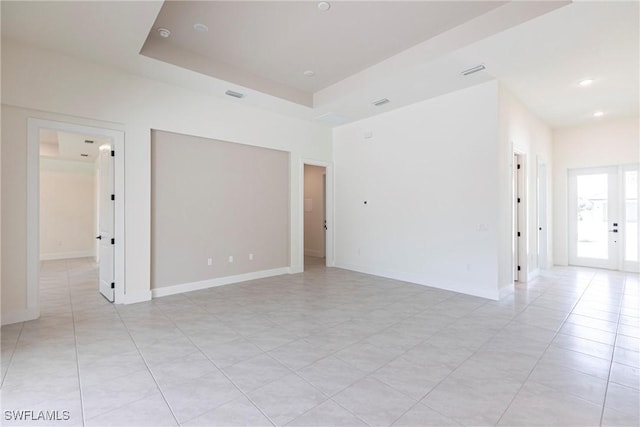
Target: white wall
67,209
522,132
429,175
314,233
603,143
86,93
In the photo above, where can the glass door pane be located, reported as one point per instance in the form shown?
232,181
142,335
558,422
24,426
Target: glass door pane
592,216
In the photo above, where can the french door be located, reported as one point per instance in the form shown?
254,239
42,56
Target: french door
603,217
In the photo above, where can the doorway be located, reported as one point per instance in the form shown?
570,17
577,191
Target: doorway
315,216
603,217
70,144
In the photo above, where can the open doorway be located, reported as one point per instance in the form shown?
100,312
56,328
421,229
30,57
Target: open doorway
76,200
109,142
315,216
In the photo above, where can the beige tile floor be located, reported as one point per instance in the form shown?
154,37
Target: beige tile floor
330,348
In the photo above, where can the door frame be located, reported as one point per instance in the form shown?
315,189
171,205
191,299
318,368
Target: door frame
33,205
624,265
328,209
519,218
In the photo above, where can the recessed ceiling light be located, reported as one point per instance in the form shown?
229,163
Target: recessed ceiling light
164,32
234,94
474,69
323,6
585,82
309,73
380,102
200,28
598,114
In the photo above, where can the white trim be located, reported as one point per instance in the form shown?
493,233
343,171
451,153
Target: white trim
136,297
33,204
411,278
505,290
219,281
19,316
329,252
533,274
68,255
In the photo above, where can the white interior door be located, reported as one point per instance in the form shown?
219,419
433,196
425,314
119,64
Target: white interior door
106,221
594,219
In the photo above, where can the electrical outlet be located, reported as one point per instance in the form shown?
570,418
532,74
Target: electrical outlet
230,258
250,257
209,261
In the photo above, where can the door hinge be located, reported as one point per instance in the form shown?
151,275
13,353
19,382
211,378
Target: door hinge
113,241
518,268
113,285
518,166
113,153
113,197
518,199
518,234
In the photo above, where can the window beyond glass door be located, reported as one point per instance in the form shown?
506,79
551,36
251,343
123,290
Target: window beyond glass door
631,237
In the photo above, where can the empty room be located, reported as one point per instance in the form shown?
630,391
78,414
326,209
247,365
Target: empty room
320,213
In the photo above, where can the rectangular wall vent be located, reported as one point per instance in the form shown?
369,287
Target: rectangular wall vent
474,69
234,94
380,102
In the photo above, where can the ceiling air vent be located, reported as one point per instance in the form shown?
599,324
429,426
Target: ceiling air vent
474,69
234,94
84,155
88,141
380,102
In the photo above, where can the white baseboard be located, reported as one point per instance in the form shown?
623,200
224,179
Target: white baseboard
314,253
505,290
411,278
67,255
219,281
19,316
136,297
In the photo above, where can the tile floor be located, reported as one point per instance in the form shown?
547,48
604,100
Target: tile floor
329,348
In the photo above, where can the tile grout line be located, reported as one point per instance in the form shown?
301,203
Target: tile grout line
219,370
146,364
15,347
545,350
75,340
615,339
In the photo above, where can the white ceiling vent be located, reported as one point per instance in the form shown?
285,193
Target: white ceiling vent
380,102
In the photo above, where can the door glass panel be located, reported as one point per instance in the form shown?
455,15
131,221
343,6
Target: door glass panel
593,237
631,215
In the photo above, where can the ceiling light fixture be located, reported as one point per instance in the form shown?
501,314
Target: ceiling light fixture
380,102
201,28
585,82
598,114
164,33
474,69
234,94
309,73
323,6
